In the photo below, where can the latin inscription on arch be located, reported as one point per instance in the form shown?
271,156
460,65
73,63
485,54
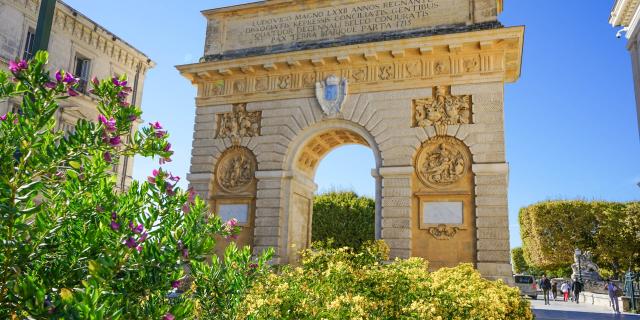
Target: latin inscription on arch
362,17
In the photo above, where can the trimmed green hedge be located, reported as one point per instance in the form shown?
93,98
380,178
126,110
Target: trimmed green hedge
551,231
344,217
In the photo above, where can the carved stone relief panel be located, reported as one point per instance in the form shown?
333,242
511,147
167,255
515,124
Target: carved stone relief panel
239,123
442,161
442,109
236,169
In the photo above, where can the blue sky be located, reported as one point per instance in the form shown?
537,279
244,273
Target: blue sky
571,128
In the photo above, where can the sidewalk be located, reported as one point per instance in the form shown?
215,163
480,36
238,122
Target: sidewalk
560,310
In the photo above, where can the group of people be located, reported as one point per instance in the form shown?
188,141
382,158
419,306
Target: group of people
572,289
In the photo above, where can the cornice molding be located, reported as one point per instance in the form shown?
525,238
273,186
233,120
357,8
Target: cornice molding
623,12
81,28
490,55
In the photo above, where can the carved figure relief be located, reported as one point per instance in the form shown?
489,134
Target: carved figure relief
442,161
239,123
216,88
236,169
309,79
262,84
441,67
240,86
442,109
284,82
414,69
471,64
332,94
443,232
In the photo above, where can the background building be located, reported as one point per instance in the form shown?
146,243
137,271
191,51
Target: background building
626,14
79,45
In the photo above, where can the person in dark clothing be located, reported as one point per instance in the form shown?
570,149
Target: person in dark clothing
545,284
577,288
554,290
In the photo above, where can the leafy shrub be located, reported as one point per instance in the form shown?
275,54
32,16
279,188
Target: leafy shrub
345,218
346,284
72,247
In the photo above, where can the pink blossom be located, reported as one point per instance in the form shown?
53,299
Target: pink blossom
186,208
115,141
131,243
17,66
95,81
168,316
175,284
110,124
3,117
155,125
50,85
114,225
72,93
69,78
107,157
133,117
151,180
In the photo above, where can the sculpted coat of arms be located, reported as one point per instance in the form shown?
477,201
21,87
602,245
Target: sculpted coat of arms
332,94
442,109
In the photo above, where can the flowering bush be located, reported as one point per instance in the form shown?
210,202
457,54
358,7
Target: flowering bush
74,248
344,284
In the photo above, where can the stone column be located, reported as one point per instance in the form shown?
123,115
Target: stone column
269,220
378,215
492,221
396,209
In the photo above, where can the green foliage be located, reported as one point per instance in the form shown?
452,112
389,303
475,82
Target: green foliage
345,218
73,247
552,230
347,284
520,265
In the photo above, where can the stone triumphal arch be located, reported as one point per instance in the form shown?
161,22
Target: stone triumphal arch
420,82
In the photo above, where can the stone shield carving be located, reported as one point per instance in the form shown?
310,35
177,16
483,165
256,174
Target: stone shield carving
332,94
441,162
236,169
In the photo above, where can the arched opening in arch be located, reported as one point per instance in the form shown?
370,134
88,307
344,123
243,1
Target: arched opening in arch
334,155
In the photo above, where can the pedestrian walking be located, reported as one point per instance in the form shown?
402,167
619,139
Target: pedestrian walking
554,289
613,291
565,291
545,284
577,288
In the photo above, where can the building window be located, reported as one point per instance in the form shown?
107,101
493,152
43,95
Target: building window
28,46
82,72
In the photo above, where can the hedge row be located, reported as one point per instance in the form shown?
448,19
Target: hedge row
344,217
552,230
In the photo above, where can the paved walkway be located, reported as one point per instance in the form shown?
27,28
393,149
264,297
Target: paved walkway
559,310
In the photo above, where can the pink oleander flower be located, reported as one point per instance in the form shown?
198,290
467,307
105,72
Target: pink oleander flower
17,66
71,92
133,118
95,81
69,78
168,316
115,141
144,237
176,284
139,248
131,243
253,266
50,85
119,83
59,75
160,133
3,117
110,124
155,125
169,190
186,208
232,223
115,226
125,104
137,228
173,178
192,195
107,157
164,160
